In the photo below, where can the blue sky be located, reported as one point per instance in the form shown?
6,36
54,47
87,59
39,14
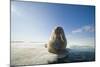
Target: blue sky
33,21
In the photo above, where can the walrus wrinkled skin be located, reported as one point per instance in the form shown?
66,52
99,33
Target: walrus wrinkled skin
57,41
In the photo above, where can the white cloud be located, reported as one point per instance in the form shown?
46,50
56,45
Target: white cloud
87,28
77,30
74,40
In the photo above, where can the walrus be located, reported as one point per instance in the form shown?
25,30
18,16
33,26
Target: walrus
57,41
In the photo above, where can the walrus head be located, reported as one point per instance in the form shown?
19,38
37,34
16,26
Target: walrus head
57,40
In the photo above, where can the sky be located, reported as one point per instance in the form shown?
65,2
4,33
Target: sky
34,21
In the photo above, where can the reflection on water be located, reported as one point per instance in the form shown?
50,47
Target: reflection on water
73,54
77,55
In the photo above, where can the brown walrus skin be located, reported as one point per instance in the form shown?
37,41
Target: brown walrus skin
57,41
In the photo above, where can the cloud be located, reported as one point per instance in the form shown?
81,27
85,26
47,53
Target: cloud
87,28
